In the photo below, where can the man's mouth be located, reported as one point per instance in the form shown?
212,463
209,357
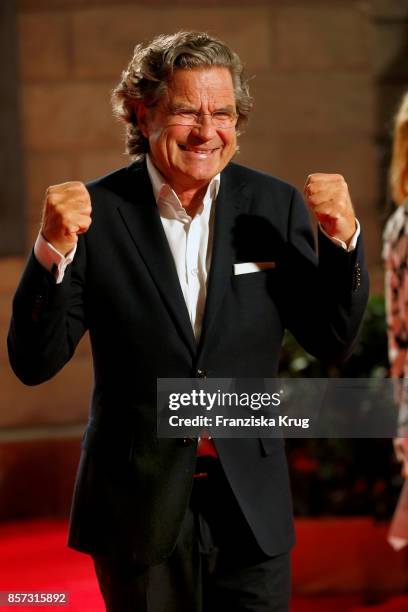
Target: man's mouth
198,151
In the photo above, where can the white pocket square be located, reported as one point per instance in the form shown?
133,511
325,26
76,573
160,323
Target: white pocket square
253,266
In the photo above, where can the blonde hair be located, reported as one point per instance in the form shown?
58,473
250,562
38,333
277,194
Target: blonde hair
399,160
152,67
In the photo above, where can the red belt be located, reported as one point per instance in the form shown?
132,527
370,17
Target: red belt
206,447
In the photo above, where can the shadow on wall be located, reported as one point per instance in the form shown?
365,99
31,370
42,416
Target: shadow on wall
37,478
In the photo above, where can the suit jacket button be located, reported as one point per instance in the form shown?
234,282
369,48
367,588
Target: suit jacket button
357,277
187,441
201,374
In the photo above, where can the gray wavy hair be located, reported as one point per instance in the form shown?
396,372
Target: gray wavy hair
151,68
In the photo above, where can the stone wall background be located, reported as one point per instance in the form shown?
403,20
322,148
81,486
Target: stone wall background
327,78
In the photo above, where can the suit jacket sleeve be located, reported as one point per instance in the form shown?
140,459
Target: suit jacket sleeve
48,320
325,293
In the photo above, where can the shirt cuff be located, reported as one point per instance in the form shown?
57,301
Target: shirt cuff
340,243
51,259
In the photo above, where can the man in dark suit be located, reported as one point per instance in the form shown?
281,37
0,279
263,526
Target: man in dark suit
193,266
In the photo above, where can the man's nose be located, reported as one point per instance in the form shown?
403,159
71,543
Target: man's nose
205,128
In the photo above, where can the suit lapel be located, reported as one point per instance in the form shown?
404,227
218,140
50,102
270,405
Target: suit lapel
232,200
141,216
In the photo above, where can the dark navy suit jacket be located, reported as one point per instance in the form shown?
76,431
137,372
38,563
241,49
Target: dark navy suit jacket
132,487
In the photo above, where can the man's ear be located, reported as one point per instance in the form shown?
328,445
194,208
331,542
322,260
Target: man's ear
142,122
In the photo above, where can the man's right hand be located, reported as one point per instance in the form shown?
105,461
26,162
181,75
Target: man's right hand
66,214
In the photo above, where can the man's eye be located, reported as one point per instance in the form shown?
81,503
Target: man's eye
222,115
185,113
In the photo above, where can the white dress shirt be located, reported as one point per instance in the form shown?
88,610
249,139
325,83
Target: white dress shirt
190,241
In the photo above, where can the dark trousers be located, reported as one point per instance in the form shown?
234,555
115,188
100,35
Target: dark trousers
216,566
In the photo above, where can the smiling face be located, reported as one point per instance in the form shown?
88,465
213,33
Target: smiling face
189,156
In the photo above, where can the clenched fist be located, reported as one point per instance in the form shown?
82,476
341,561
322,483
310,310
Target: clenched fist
328,197
66,214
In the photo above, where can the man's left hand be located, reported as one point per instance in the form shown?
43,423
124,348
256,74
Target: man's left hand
328,197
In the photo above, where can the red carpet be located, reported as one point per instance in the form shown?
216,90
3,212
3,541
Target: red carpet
34,557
